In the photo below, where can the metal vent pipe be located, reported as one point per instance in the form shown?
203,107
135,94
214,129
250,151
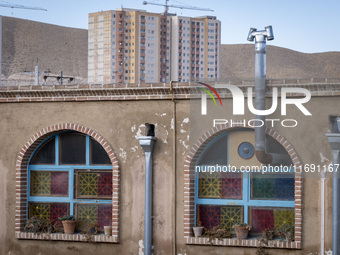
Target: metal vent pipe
147,143
334,141
260,96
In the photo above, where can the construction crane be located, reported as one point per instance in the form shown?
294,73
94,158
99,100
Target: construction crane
166,5
19,6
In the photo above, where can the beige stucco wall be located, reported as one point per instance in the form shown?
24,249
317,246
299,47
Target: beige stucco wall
119,122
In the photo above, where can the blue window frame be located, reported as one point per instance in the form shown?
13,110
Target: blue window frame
233,194
70,173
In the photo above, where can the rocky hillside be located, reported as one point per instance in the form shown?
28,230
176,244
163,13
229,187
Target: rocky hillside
57,48
237,61
62,48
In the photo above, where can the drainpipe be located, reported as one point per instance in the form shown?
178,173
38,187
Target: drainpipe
334,141
147,142
260,96
322,246
174,161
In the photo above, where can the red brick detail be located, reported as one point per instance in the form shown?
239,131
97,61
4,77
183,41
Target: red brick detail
22,164
189,190
242,243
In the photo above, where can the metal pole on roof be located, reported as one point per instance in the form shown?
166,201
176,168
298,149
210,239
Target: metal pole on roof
261,37
147,143
334,141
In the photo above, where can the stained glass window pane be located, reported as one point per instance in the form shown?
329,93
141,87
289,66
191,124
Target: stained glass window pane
272,186
283,216
270,218
40,183
212,215
94,184
72,149
46,183
209,185
284,186
49,211
98,154
230,215
216,153
262,187
45,155
59,183
231,185
262,219
93,214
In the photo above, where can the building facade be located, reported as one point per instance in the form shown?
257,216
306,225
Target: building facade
135,46
81,156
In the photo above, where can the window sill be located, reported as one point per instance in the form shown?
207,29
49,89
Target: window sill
250,242
67,237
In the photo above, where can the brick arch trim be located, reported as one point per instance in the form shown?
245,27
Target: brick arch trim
22,166
189,177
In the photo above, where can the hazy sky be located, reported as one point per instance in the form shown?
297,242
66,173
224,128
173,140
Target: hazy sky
306,26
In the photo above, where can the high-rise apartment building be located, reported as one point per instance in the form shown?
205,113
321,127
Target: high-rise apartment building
135,46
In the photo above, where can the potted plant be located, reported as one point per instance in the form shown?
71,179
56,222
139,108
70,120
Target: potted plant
93,229
69,223
242,229
37,225
268,234
286,232
198,230
218,232
34,225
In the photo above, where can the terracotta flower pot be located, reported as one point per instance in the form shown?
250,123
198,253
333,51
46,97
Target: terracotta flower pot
108,230
69,226
198,231
241,232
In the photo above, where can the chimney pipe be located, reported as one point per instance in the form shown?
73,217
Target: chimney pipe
260,96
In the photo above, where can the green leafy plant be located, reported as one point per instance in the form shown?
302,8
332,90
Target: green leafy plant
217,232
285,232
67,218
37,225
90,230
34,225
241,224
267,235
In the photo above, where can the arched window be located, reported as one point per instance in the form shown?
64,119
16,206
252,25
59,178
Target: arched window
70,173
228,189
